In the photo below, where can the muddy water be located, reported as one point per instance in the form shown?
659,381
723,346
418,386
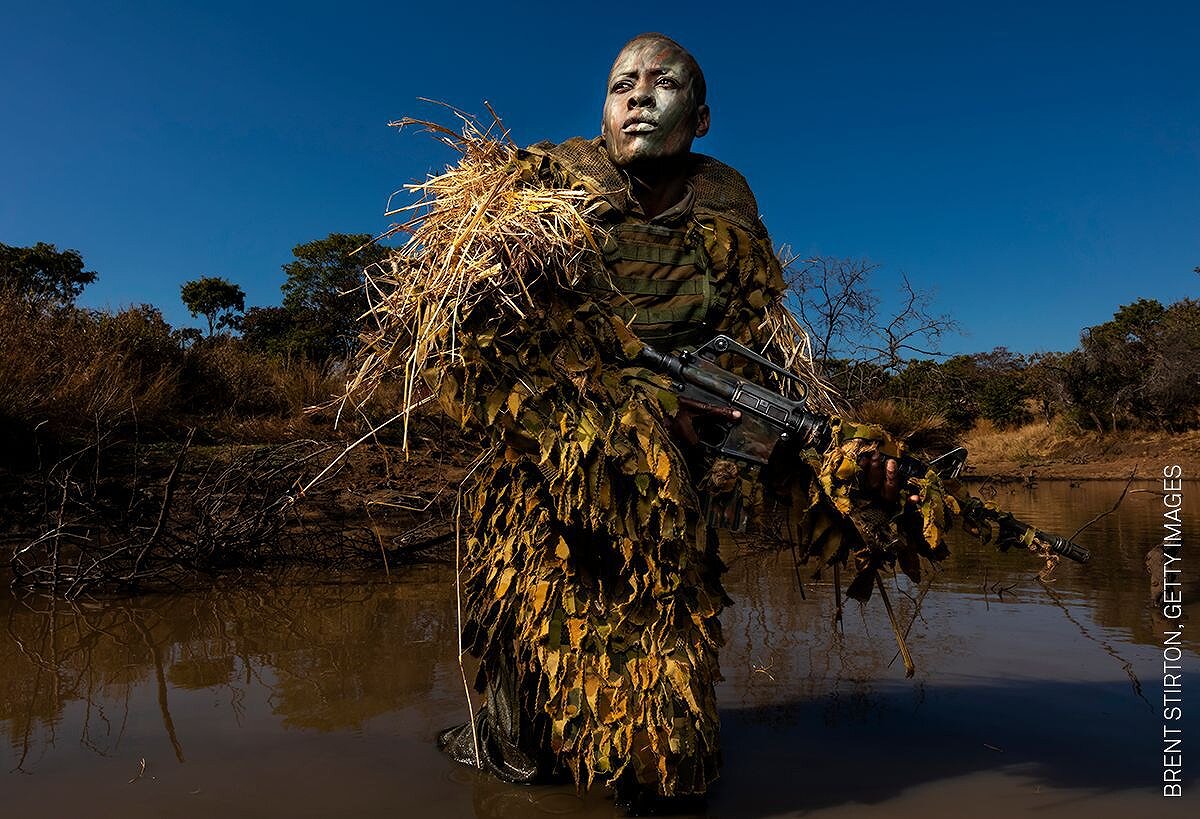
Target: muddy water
320,697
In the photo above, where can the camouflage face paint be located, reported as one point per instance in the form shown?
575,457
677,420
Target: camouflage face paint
650,112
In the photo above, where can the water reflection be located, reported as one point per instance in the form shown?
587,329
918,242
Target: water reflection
329,656
302,698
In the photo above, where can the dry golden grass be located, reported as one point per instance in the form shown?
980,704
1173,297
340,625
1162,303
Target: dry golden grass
73,374
57,369
474,236
1024,445
923,431
789,344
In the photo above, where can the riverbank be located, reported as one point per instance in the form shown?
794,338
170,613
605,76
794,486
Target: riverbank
1043,452
126,516
123,515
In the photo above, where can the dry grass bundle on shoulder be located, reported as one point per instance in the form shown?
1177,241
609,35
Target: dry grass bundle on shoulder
788,346
476,235
926,432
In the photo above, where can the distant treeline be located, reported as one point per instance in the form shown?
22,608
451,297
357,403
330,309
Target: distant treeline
1141,370
69,371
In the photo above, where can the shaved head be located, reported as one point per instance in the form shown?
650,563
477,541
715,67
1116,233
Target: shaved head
655,103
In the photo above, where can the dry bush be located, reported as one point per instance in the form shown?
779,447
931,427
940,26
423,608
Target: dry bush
228,381
222,379
105,495
301,384
922,430
109,518
61,370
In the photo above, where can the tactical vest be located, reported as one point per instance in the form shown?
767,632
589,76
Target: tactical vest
660,283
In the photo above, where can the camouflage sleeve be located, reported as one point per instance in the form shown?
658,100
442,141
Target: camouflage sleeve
816,500
514,371
748,279
840,521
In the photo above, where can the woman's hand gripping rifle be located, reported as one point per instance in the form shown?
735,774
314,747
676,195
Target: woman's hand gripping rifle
749,422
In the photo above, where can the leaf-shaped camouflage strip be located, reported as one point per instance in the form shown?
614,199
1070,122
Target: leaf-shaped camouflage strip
589,579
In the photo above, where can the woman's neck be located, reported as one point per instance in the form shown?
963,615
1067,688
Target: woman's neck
659,184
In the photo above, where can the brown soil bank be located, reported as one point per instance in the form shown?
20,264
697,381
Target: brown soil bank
1051,452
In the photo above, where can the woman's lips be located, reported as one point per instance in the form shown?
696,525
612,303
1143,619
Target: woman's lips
638,126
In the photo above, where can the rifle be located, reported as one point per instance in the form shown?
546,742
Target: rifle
768,420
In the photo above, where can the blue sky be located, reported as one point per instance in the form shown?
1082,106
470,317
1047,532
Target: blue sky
1036,164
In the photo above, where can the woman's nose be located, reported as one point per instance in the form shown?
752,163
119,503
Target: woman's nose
641,98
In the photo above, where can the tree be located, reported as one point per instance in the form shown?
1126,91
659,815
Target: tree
1141,368
948,388
835,303
323,292
273,330
1003,387
1046,377
912,329
840,310
1112,360
1171,385
140,331
859,347
267,329
214,298
43,274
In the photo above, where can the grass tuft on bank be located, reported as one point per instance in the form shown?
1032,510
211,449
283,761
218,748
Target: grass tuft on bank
1061,450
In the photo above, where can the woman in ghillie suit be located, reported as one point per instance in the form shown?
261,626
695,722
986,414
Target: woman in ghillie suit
591,589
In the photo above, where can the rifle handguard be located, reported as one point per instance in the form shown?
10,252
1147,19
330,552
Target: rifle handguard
1027,535
1061,546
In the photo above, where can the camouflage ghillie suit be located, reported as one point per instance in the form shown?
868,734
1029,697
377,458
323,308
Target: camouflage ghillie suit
591,592
591,588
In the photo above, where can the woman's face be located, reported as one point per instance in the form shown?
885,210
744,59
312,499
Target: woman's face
650,112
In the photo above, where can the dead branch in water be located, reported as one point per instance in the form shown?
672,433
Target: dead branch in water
1115,506
119,516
